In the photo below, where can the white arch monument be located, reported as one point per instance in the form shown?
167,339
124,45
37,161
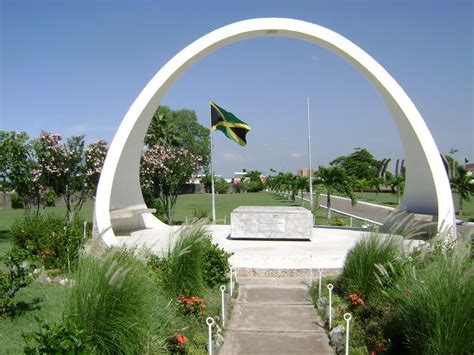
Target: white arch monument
119,202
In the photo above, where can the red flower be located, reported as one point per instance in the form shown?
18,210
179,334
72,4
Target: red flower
181,340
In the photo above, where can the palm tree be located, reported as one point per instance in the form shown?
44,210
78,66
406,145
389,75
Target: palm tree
374,184
463,184
302,184
334,179
361,185
398,186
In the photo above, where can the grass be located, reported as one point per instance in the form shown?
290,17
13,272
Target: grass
434,304
185,263
187,206
359,272
118,305
389,199
8,216
38,300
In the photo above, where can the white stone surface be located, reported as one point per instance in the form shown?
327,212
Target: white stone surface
326,250
271,222
427,188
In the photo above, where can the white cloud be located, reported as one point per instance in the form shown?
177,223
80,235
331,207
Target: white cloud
296,155
233,157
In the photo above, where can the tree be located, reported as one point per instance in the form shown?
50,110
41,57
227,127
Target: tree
334,179
179,129
69,169
374,184
20,170
453,166
397,183
361,185
302,184
463,184
163,171
253,181
35,168
361,164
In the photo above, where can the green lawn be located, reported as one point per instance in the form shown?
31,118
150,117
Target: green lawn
39,299
8,216
389,199
188,205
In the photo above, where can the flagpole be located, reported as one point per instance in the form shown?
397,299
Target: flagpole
309,158
212,168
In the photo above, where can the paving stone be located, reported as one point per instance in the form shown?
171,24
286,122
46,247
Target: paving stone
250,343
274,316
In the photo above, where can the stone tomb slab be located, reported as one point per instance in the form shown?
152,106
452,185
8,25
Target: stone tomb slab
270,222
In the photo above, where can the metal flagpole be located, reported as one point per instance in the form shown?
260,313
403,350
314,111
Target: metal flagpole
212,168
309,159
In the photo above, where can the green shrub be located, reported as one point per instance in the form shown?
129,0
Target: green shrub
117,304
183,272
255,186
222,186
200,213
216,263
18,275
359,271
57,338
161,211
336,221
50,199
50,239
193,263
17,201
434,305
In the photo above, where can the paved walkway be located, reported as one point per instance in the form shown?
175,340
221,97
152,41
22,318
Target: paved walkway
274,316
377,213
369,211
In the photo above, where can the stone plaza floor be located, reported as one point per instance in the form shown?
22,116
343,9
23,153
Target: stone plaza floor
326,250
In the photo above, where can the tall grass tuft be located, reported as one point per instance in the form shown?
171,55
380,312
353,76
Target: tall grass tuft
434,305
360,267
184,272
118,305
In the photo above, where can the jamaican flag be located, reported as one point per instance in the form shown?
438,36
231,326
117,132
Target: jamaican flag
228,124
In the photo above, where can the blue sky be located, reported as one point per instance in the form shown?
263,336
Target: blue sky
75,67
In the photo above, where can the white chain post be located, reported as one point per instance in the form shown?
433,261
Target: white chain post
231,282
348,318
210,322
320,277
330,287
223,305
310,271
350,221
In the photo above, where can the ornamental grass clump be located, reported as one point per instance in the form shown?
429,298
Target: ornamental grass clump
117,304
184,269
434,304
360,267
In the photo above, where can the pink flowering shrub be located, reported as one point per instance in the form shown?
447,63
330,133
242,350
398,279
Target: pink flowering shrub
163,171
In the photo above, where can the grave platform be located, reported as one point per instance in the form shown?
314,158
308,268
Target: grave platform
271,223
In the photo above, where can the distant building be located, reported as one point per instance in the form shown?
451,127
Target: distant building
470,168
239,175
197,179
305,172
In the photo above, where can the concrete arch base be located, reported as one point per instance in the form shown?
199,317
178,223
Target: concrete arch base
119,202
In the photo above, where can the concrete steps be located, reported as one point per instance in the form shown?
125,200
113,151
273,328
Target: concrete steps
274,316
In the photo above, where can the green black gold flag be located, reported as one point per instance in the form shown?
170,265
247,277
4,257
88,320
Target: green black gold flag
228,124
